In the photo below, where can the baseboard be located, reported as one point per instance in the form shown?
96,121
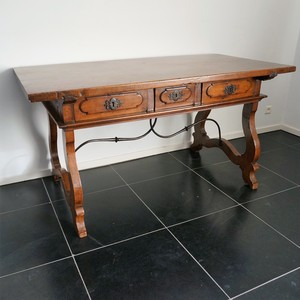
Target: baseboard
269,128
291,129
129,156
140,154
25,177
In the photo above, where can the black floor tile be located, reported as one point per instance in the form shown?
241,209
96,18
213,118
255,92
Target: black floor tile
285,161
54,188
149,167
181,197
128,254
30,237
110,216
22,195
281,211
59,280
267,143
94,180
283,137
150,267
228,178
296,146
238,251
284,288
201,158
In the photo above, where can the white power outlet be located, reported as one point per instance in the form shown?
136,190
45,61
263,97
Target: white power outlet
268,109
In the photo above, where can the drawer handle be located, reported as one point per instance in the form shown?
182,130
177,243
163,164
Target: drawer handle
229,89
176,95
112,104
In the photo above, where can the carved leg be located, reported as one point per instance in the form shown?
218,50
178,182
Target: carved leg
200,135
246,161
74,190
57,171
56,167
249,159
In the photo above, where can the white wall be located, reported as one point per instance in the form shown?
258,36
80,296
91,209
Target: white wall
36,32
291,117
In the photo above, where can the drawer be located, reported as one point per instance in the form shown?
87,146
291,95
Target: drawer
227,90
110,106
176,96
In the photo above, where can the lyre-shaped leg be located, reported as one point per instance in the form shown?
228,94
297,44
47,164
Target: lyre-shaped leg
200,135
248,160
75,192
56,167
70,179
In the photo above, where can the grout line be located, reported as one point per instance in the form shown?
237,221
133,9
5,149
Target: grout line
208,165
152,178
104,190
207,273
278,174
119,242
174,236
80,275
66,240
273,194
265,283
58,220
209,182
270,226
241,205
35,267
141,200
212,164
23,208
203,216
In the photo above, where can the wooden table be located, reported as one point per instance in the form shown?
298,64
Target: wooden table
81,95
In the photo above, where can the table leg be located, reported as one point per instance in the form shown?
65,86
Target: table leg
74,190
248,160
70,179
200,136
56,167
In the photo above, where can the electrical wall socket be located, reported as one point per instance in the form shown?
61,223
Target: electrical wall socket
268,109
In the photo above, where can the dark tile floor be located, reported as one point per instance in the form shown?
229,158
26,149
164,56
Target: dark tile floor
164,227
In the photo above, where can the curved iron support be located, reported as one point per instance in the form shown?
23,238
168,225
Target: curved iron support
152,125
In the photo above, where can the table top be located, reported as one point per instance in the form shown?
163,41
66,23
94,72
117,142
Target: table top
42,83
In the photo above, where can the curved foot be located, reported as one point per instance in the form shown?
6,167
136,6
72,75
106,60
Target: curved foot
73,187
249,175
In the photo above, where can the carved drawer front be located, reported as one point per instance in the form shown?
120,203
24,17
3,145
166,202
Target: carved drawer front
113,105
171,97
227,90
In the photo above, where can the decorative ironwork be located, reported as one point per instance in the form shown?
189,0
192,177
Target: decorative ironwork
152,125
175,95
112,104
69,98
229,89
268,77
273,75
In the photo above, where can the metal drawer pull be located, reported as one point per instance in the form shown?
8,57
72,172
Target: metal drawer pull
176,95
112,104
229,89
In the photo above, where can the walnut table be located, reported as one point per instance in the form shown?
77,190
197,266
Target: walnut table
82,95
